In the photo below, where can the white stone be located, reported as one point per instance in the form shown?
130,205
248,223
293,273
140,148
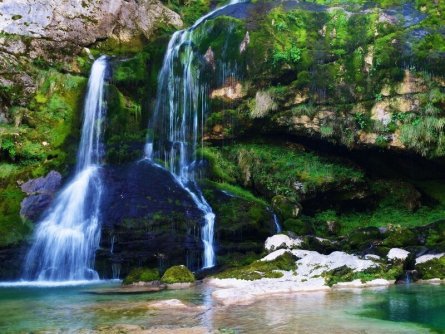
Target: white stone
312,264
426,258
307,277
397,254
272,256
372,257
245,292
278,241
359,284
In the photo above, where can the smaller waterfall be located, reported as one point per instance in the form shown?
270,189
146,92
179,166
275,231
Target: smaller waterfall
178,123
66,240
277,223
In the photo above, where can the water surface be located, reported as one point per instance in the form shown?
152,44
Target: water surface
406,309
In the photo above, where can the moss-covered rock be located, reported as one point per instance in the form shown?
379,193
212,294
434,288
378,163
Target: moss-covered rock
262,269
434,268
142,275
178,274
399,237
346,274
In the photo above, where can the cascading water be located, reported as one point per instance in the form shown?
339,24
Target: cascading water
276,223
68,236
178,121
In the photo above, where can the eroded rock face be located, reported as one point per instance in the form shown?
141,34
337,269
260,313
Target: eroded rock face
84,22
40,193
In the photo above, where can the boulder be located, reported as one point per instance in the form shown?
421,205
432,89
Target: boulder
397,254
41,192
178,274
278,241
43,185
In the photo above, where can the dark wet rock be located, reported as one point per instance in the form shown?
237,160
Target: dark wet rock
320,245
148,220
41,192
12,260
241,224
364,238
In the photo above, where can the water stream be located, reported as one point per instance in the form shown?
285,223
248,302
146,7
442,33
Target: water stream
178,123
66,239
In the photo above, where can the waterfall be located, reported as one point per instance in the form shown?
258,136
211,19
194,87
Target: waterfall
178,123
276,223
66,239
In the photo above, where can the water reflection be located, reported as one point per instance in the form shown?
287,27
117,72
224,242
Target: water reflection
394,310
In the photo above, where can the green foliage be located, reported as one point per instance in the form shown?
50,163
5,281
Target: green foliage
424,132
276,169
178,274
346,274
142,275
7,170
286,56
363,121
191,10
434,268
12,229
221,170
261,269
239,192
395,205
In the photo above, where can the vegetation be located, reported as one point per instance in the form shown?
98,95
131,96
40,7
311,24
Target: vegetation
261,269
278,169
346,274
142,275
434,268
178,274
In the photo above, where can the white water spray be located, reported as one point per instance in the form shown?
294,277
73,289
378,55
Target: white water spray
68,236
179,117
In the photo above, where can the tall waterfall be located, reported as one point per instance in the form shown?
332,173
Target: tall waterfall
178,123
68,236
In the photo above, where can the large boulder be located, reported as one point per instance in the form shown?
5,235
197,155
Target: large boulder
178,274
40,193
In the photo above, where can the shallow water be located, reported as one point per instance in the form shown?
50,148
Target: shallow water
399,309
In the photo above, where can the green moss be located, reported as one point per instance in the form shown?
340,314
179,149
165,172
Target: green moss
434,268
286,170
261,269
398,237
142,275
346,274
238,192
285,207
221,169
12,229
178,274
393,204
